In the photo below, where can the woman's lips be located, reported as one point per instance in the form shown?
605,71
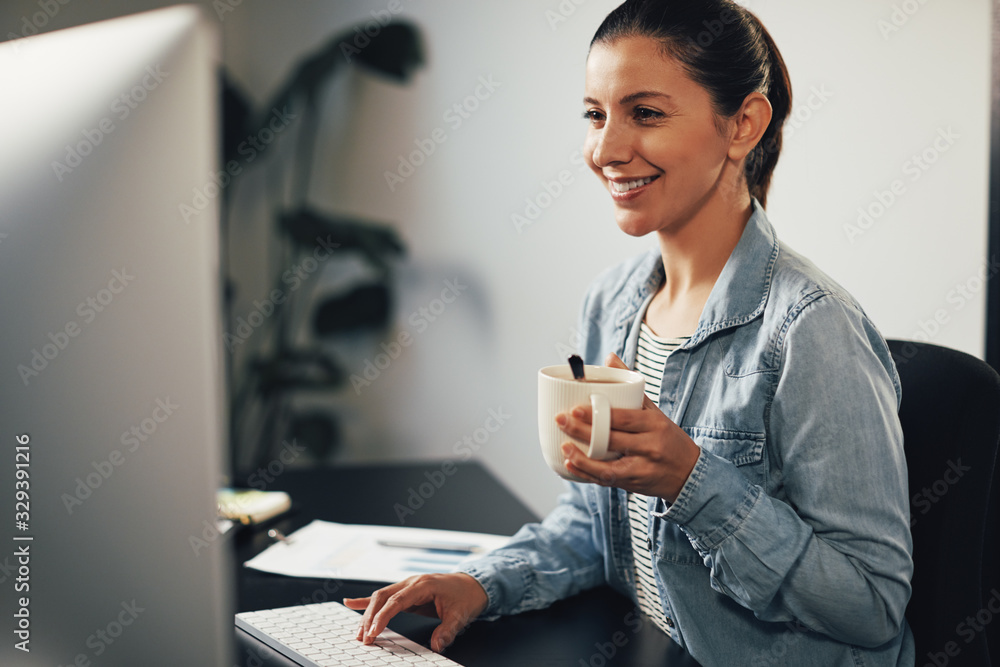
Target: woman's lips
622,190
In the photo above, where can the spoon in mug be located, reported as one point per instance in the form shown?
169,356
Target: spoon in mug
576,365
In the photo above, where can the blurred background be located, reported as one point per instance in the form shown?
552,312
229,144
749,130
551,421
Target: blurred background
410,225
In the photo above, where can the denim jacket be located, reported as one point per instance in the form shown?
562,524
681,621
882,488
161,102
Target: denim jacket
789,544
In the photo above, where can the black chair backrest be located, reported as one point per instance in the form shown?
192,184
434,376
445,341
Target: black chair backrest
950,413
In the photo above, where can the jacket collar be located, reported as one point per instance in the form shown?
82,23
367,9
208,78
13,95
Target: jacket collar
739,294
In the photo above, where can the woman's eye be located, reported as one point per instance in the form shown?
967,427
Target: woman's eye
593,116
642,113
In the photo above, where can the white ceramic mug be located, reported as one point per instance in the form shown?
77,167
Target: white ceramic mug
604,388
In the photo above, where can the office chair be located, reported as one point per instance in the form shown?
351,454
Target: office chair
950,413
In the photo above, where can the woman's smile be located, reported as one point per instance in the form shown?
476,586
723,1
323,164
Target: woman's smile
625,189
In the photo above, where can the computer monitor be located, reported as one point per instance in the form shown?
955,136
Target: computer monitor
111,369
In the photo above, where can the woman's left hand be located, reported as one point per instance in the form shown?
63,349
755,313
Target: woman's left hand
656,454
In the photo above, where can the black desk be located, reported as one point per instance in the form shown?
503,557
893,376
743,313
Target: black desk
594,629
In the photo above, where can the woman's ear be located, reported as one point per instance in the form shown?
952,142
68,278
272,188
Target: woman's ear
751,121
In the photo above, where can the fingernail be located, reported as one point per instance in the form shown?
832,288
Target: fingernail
567,449
561,419
579,412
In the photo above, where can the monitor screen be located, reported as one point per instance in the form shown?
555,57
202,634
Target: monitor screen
111,382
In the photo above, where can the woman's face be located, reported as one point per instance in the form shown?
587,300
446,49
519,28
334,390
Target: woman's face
652,137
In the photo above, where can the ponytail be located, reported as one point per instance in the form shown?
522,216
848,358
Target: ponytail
762,160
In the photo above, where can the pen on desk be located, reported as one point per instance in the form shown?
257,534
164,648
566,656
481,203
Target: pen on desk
432,545
279,536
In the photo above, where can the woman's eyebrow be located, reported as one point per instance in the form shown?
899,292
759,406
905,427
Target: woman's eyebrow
631,97
640,95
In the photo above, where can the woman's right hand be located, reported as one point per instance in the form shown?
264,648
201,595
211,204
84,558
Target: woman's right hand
457,599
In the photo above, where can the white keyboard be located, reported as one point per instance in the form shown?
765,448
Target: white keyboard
323,635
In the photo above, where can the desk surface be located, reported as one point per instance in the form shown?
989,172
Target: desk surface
598,627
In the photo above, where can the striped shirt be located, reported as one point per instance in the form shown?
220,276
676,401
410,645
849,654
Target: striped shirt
652,355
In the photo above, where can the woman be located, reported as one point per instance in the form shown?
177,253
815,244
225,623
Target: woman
758,514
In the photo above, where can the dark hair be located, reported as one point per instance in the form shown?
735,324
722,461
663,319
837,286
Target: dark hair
724,48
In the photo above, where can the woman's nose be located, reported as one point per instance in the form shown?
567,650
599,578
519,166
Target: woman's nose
612,144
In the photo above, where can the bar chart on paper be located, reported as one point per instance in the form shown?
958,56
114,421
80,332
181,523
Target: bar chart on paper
328,550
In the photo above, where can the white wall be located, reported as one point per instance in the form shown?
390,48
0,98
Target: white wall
876,100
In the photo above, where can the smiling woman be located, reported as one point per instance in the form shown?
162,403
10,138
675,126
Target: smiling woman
758,512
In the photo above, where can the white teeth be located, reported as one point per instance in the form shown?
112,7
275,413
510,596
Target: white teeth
630,185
